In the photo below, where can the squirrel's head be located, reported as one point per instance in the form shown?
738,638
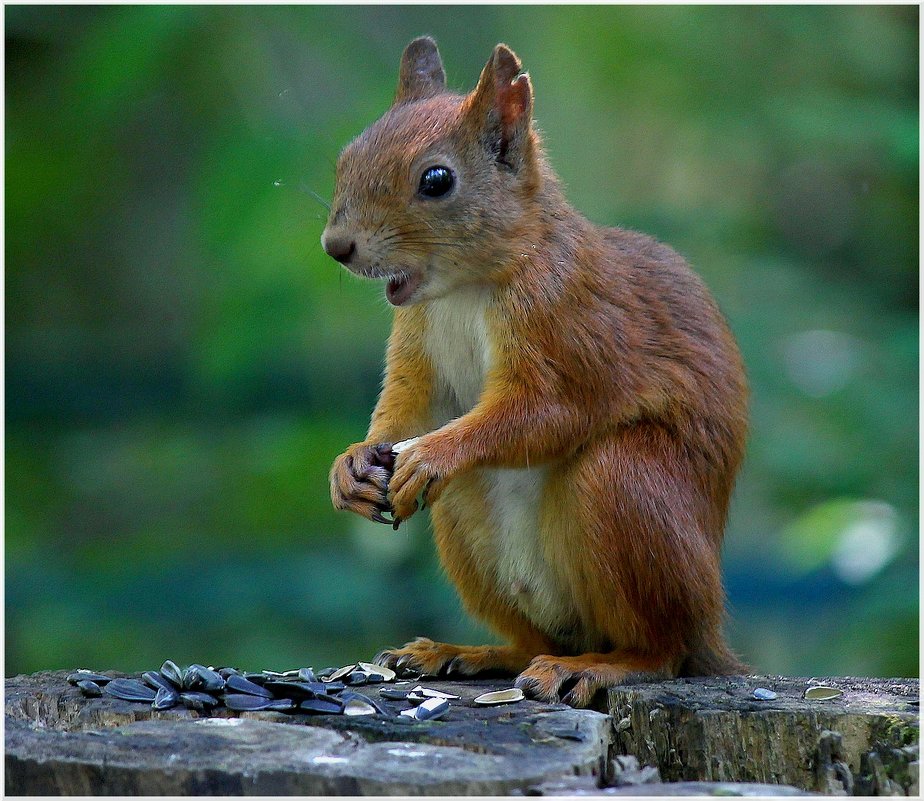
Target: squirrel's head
435,193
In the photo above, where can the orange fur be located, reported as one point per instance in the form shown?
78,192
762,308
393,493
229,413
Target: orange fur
579,495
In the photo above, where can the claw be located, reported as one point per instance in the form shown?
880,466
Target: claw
528,684
376,515
402,662
383,657
396,522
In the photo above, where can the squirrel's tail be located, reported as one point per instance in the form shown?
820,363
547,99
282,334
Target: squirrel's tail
711,657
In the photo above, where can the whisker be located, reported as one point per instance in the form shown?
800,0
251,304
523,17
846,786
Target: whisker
304,188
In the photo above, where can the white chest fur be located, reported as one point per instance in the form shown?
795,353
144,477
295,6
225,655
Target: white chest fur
459,349
458,344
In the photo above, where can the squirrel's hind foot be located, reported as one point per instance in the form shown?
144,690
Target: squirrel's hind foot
575,680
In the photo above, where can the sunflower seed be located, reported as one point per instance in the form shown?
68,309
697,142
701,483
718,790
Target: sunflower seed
88,675
198,700
166,698
307,674
239,684
510,696
129,690
763,694
297,690
281,705
199,677
155,681
322,705
89,688
225,672
241,702
172,673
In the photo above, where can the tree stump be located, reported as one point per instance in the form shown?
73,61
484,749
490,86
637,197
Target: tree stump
704,736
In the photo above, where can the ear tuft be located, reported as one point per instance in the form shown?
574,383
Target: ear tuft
500,108
506,64
421,74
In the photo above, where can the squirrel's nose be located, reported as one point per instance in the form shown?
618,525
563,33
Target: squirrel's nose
340,248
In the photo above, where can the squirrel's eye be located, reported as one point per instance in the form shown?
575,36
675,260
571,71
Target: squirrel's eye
436,181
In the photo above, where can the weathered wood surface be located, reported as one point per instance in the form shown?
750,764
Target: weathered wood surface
713,729
684,732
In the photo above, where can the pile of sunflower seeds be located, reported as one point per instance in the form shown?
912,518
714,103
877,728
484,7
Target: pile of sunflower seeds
325,692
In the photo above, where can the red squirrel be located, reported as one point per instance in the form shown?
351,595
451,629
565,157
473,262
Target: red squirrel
567,399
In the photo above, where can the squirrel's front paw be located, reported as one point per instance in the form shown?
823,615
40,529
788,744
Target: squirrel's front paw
359,481
415,473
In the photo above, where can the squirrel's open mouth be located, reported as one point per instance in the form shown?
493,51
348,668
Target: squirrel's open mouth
400,288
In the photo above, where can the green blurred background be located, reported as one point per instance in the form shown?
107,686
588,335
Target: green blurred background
183,362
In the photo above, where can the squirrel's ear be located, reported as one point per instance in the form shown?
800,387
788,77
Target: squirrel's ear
421,74
502,105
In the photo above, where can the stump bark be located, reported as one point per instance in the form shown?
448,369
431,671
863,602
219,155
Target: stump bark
702,736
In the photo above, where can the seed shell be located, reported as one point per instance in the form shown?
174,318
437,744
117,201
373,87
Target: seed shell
349,695
431,709
356,706
822,693
428,693
307,674
510,696
763,694
340,673
387,673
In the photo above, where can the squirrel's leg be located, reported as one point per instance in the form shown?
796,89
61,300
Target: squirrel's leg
461,526
642,562
358,481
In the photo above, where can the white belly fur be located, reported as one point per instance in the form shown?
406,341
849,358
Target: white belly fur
515,498
458,344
